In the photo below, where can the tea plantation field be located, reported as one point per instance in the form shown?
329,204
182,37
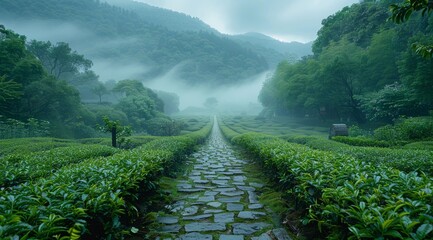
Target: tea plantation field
340,191
85,189
335,189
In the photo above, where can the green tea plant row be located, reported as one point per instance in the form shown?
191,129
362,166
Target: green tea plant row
133,141
362,141
19,168
346,198
91,199
403,159
28,145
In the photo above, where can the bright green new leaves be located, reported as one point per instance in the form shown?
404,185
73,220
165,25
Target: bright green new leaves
89,199
344,197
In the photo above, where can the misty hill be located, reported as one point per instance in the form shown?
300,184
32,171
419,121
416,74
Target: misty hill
273,50
297,48
172,20
118,40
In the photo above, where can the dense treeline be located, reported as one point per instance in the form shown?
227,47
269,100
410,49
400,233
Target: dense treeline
363,68
39,94
205,57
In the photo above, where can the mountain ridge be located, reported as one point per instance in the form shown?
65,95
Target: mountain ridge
124,36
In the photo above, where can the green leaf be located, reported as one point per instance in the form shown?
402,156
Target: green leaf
394,233
134,230
424,230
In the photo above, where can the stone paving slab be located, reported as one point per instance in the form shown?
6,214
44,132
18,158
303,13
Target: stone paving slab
216,198
205,227
195,236
231,237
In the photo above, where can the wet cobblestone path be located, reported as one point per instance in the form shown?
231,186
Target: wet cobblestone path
216,200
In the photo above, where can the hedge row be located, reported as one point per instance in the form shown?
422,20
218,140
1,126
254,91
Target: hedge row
362,141
91,199
19,168
29,145
346,198
403,159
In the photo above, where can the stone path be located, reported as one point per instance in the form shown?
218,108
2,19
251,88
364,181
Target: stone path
216,200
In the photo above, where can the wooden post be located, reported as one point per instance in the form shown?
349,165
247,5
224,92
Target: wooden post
114,136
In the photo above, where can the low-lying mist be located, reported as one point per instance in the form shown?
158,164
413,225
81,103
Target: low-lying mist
86,43
234,99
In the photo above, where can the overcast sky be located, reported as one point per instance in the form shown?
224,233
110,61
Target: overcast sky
286,20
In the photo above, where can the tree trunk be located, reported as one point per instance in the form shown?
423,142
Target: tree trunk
113,136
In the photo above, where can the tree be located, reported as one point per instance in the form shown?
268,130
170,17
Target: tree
139,103
99,90
402,12
9,90
211,103
390,103
59,59
339,78
118,132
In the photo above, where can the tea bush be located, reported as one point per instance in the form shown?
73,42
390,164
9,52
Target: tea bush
18,168
93,198
403,159
361,141
346,198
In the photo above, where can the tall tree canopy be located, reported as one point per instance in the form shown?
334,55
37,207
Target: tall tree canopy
359,59
402,12
59,59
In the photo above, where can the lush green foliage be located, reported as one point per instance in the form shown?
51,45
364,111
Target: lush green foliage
30,145
362,141
343,197
423,145
93,198
59,60
19,168
363,68
410,129
41,96
163,127
51,105
402,12
12,128
118,132
402,159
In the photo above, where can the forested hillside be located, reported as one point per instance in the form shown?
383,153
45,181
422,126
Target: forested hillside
363,69
42,87
201,57
271,49
172,20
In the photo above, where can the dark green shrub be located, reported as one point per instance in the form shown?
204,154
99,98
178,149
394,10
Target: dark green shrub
417,128
389,133
410,129
163,127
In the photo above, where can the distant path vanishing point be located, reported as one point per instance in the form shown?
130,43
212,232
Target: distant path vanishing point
216,200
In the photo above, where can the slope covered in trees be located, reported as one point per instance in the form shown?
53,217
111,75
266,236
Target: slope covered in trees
41,84
201,57
271,49
363,68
